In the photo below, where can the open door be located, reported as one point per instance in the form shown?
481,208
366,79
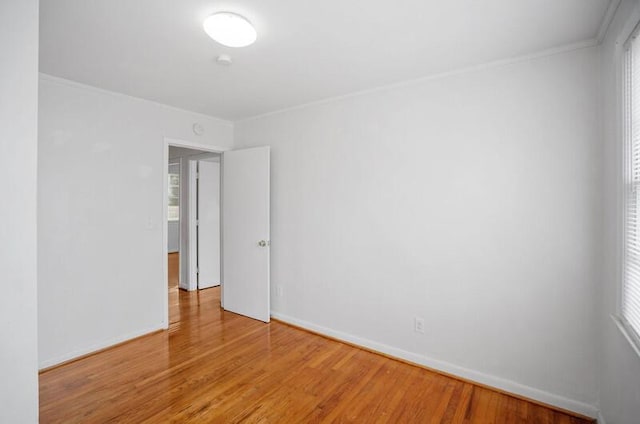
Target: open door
208,224
246,233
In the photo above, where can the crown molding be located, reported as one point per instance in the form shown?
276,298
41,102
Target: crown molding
606,20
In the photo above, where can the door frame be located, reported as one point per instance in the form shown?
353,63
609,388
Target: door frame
192,227
165,204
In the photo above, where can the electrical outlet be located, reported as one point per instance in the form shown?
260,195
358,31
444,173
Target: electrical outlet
279,291
418,325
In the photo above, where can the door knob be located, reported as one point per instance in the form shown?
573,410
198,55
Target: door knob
263,243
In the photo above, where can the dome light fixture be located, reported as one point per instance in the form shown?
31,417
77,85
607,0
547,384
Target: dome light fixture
230,29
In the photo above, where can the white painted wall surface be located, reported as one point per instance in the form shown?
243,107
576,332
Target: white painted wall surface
100,182
470,200
173,227
620,365
173,241
18,173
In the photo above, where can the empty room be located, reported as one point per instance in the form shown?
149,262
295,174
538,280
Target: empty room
320,211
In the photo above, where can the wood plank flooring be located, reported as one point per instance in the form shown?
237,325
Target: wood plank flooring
213,366
173,265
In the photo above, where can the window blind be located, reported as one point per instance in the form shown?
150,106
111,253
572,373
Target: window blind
630,302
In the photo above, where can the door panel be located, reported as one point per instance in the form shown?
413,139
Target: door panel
208,224
246,233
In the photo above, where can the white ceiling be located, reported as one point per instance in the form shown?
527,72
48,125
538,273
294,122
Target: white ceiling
306,50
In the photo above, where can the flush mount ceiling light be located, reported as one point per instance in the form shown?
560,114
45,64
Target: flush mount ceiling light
230,29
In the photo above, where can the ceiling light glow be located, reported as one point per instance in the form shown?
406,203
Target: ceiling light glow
230,29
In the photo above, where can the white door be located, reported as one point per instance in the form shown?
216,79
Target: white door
245,232
208,224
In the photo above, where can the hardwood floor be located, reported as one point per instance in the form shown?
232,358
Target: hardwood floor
174,292
173,265
213,366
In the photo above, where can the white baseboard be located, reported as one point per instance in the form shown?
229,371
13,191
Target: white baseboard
465,373
46,363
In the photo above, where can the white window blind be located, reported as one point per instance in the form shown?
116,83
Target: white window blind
630,302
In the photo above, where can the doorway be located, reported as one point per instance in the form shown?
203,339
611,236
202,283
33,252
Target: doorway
193,223
235,257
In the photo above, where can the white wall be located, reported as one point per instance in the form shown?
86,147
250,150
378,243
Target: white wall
18,170
620,366
471,200
100,182
173,227
173,240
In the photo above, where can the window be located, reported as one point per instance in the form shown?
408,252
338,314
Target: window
630,300
174,197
